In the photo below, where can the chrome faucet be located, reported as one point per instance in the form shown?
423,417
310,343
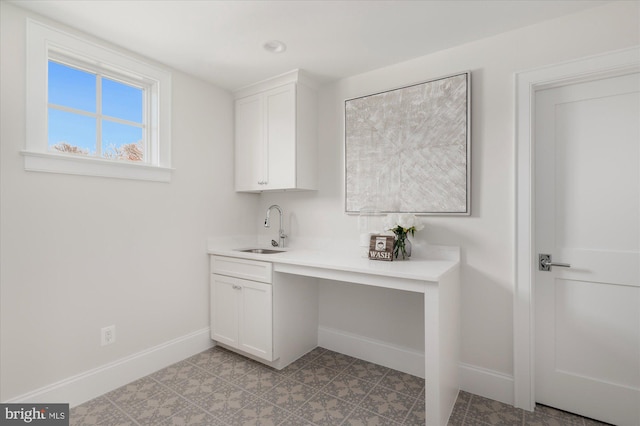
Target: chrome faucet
281,234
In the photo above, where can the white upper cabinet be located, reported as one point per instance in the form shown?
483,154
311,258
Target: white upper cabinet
276,135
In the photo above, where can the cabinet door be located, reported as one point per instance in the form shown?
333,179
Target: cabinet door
249,144
256,319
280,106
224,296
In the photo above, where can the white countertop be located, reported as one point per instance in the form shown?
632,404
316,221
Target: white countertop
429,263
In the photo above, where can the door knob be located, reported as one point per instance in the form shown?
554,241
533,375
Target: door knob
545,263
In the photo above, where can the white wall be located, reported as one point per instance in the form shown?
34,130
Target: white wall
80,253
487,237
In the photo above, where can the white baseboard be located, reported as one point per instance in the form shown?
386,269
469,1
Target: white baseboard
473,379
393,356
88,385
488,383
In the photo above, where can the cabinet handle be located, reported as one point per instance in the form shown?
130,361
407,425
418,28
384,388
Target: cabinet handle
236,287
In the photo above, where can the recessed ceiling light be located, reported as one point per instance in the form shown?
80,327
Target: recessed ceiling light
274,46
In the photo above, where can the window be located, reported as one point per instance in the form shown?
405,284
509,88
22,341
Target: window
92,114
94,111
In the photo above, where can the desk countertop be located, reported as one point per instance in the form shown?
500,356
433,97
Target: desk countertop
431,264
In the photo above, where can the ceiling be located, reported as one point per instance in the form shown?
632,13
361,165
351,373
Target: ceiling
222,41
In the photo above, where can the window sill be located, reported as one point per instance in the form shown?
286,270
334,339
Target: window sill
87,166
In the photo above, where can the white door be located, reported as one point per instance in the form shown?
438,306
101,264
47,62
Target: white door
224,309
255,319
249,144
280,164
587,214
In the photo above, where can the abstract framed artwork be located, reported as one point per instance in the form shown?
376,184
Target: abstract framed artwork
409,149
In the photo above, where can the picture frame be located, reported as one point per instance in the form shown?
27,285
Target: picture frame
408,150
381,247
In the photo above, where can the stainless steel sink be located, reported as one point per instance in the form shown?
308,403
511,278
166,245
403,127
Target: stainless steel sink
260,251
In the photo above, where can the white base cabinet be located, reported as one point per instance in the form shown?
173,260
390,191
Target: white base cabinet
267,316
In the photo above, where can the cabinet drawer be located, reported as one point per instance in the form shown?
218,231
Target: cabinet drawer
242,268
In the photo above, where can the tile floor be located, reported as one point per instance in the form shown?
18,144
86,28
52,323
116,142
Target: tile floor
219,387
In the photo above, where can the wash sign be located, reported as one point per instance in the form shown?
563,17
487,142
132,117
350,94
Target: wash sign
34,414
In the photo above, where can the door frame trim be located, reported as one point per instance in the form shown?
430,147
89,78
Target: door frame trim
527,83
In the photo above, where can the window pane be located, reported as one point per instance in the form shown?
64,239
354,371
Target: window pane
71,87
69,132
122,142
121,100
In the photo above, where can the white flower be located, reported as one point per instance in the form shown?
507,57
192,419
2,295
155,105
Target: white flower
406,221
391,221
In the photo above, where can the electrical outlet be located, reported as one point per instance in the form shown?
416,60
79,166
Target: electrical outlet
108,335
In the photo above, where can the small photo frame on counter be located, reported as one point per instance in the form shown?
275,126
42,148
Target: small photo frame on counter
381,247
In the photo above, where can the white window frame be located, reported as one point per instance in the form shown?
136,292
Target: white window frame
44,43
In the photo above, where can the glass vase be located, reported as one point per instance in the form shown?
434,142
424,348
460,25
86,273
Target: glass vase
402,246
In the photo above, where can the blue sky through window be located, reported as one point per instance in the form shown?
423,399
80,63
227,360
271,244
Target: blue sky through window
77,89
71,87
121,101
